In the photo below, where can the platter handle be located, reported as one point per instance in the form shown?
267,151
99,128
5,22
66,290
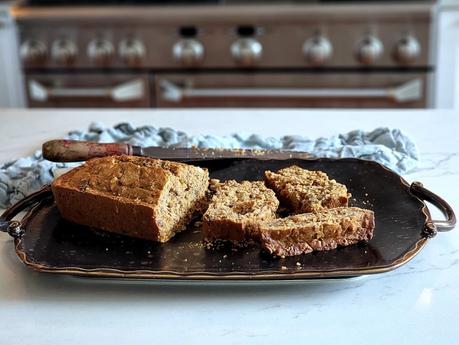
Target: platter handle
435,225
14,227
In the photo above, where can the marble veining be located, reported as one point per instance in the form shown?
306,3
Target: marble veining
437,164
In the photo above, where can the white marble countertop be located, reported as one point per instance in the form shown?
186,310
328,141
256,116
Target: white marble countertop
415,304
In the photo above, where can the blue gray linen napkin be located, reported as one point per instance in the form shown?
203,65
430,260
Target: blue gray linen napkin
388,146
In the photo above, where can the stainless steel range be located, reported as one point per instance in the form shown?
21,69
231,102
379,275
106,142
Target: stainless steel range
221,54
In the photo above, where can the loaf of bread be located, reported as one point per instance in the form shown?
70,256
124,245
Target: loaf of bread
135,196
325,230
235,209
302,190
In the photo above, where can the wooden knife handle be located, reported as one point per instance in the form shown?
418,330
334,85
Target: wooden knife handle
75,151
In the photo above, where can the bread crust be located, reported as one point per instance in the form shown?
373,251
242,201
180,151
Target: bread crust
238,233
110,214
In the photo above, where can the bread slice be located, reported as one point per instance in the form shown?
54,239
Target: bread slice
307,232
235,209
302,190
135,196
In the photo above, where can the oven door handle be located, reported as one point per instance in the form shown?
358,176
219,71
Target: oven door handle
407,92
128,91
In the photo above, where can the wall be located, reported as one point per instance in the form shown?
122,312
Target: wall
11,94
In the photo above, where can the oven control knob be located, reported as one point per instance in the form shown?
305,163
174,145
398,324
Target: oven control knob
33,52
64,51
407,50
246,51
369,50
100,51
189,52
317,50
131,51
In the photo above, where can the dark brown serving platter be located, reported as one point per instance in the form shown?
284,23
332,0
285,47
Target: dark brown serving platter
46,242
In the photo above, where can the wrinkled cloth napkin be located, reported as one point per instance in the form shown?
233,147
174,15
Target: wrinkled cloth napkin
387,146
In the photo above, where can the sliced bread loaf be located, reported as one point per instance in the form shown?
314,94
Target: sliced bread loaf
135,196
325,230
302,190
235,209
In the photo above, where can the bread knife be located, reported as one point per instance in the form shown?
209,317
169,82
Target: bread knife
75,151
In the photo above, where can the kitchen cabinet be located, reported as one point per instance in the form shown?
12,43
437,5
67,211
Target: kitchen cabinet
11,94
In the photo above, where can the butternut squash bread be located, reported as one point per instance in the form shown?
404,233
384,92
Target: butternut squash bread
135,196
325,230
302,190
235,209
